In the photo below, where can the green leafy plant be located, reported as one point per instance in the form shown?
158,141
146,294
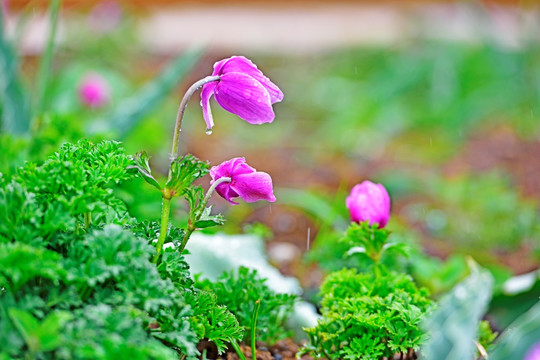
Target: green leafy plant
367,316
240,290
76,280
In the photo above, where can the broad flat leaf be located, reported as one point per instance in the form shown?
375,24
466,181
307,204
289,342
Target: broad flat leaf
453,326
27,325
519,337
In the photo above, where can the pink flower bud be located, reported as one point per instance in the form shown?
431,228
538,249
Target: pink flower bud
94,91
369,202
246,182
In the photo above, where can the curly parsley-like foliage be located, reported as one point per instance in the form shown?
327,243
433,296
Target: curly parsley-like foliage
239,290
76,280
367,316
213,321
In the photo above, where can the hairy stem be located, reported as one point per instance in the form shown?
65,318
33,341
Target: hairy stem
182,109
166,204
165,214
193,218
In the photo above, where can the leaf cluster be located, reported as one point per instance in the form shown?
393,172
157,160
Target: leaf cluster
239,290
367,316
73,288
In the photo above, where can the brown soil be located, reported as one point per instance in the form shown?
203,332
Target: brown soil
282,350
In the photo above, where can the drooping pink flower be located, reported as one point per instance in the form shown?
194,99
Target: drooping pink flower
533,353
242,90
94,91
246,182
369,202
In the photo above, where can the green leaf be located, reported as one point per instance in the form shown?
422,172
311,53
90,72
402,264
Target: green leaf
50,330
27,325
520,336
207,220
453,326
184,171
131,111
143,167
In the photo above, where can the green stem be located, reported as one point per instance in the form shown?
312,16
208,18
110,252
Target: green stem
46,58
182,109
166,204
254,329
87,220
193,218
165,213
238,350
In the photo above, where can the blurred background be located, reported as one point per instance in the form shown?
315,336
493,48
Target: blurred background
437,100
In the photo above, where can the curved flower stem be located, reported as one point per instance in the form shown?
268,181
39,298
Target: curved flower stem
182,109
166,203
192,221
211,190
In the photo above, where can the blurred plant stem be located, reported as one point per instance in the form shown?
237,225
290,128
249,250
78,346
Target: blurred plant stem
46,58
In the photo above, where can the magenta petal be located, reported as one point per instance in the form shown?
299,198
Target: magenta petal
244,96
227,193
253,187
230,168
245,66
206,94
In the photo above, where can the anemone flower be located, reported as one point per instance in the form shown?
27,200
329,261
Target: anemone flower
242,89
246,182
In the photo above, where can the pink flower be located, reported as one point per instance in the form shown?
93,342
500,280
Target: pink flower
369,202
94,91
246,182
242,90
533,353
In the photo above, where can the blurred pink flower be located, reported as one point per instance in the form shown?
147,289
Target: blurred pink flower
105,17
5,8
94,91
242,90
246,182
533,353
369,202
